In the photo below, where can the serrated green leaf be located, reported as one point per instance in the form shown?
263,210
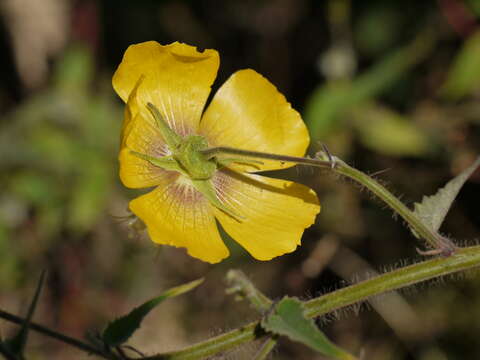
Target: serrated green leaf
433,209
120,330
288,319
464,75
17,344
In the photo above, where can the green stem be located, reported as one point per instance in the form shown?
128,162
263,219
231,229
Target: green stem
239,283
224,150
462,259
55,335
434,239
266,348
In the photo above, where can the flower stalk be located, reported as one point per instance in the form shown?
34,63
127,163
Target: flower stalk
224,150
441,244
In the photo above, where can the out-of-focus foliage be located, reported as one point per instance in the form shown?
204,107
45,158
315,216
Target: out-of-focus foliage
464,75
57,155
330,101
386,131
65,132
391,87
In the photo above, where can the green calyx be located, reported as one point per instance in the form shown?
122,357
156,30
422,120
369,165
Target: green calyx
186,155
188,159
194,163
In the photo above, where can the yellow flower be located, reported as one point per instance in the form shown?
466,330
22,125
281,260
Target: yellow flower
170,85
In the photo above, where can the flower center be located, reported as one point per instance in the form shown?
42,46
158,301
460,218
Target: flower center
191,160
186,156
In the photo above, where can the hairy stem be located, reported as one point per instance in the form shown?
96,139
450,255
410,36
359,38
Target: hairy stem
266,348
239,283
463,259
435,240
224,150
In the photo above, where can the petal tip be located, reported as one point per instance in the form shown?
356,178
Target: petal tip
209,259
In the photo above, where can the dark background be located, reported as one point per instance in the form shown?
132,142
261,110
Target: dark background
390,86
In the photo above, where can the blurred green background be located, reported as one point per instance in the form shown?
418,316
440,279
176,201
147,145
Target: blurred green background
391,87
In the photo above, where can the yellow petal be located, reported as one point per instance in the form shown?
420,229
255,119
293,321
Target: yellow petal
177,80
178,215
136,173
140,135
131,111
276,212
249,113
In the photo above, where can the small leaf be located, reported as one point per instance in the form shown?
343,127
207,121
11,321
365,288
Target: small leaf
120,330
17,344
433,209
288,318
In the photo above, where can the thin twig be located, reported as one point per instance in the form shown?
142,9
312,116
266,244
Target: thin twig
55,335
266,348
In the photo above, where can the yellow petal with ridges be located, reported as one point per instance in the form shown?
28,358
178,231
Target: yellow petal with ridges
275,212
142,136
136,173
178,215
177,80
248,112
132,109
